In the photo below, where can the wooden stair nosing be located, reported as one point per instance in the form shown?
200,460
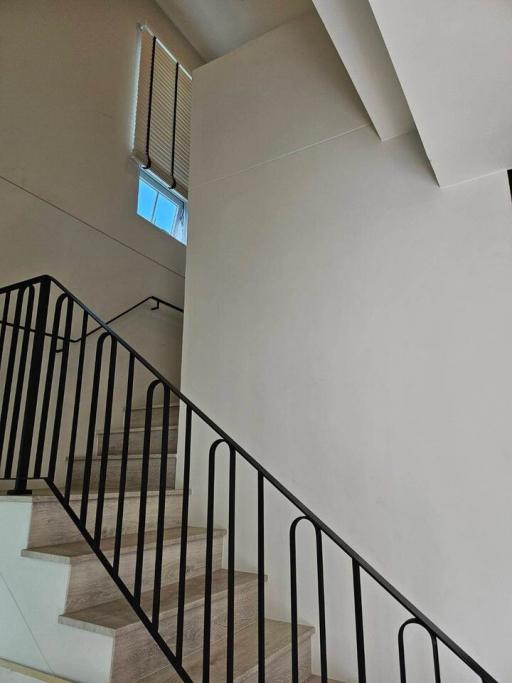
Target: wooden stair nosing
153,428
77,495
79,551
156,406
131,456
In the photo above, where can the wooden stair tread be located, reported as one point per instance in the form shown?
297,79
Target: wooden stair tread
79,551
277,641
113,617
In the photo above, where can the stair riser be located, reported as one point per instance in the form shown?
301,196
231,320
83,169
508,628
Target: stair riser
279,668
133,477
51,524
89,583
136,442
136,655
138,417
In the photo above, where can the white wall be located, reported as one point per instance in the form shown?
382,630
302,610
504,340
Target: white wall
68,188
349,323
357,38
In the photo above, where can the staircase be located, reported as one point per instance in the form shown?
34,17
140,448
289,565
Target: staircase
162,592
93,602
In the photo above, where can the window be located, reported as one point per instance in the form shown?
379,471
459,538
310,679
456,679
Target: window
162,207
162,136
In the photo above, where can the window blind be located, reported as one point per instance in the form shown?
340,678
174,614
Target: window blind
162,125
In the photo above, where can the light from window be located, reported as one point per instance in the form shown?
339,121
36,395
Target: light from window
162,208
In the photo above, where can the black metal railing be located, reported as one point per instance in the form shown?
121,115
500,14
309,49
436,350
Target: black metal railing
53,404
155,299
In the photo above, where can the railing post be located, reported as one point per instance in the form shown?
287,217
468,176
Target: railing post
358,604
261,579
20,487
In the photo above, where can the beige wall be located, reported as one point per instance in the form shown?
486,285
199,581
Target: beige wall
68,188
67,87
349,323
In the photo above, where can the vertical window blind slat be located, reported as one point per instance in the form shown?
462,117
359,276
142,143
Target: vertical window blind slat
166,150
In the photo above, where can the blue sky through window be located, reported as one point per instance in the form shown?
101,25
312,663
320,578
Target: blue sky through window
165,213
146,200
162,209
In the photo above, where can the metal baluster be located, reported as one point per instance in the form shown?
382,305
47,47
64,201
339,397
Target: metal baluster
361,660
293,600
321,604
32,390
20,382
401,650
91,431
435,654
124,464
139,563
184,537
231,566
105,441
261,580
5,317
209,562
321,600
60,392
76,408
45,406
161,509
10,367
5,322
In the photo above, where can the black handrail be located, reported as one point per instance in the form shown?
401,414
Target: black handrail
159,302
176,657
152,297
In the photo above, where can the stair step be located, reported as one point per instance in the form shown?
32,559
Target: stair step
277,661
79,551
135,653
90,584
138,415
136,440
51,524
134,471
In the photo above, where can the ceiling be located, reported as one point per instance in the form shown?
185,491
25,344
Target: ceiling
215,27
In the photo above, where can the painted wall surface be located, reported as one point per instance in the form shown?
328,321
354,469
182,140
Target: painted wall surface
349,323
68,188
68,96
357,38
452,60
